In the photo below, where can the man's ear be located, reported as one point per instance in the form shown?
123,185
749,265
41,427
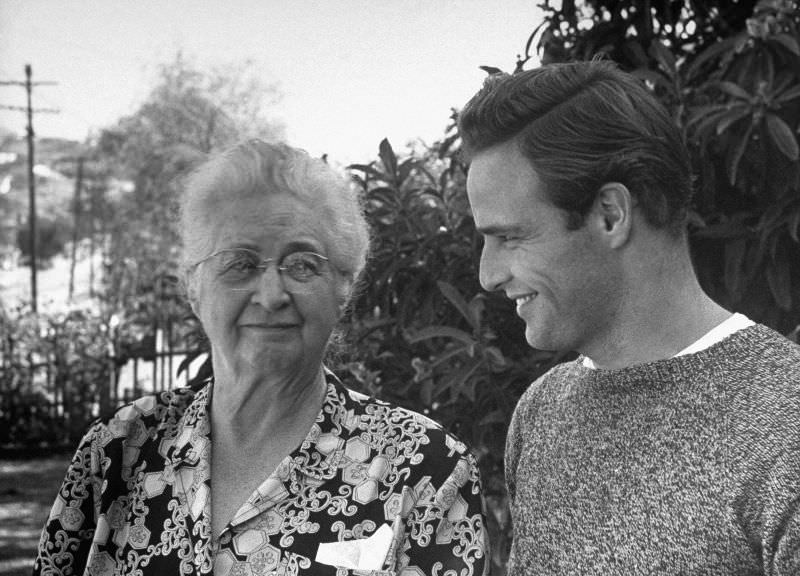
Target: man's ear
612,213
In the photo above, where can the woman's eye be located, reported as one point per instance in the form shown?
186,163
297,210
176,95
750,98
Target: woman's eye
240,264
302,267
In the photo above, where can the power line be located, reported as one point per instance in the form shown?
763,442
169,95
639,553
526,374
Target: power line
28,84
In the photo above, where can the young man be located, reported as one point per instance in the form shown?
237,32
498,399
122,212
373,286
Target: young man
672,445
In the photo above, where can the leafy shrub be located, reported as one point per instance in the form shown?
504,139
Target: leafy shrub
52,235
422,333
55,376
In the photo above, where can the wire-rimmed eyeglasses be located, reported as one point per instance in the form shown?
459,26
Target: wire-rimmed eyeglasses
238,268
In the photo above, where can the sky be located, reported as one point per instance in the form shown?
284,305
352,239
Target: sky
350,72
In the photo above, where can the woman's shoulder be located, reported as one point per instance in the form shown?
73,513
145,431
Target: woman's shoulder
147,414
406,429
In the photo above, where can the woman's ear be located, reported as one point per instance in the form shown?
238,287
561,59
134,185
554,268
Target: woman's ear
344,291
190,283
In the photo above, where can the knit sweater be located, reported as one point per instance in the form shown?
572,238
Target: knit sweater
689,465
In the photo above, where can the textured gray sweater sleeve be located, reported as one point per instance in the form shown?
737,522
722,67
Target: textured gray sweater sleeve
766,455
785,549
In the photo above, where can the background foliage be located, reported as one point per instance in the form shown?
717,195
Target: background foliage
49,361
422,333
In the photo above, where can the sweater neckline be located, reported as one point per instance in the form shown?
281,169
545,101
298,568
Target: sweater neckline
677,366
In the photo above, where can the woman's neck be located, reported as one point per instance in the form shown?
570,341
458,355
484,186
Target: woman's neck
248,410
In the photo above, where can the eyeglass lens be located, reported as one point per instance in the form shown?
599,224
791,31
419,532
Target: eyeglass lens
238,268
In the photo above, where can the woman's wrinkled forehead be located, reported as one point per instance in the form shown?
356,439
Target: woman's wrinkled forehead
265,221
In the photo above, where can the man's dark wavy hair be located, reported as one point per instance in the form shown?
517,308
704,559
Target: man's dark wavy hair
581,125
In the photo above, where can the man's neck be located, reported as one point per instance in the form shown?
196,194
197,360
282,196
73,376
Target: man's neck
666,312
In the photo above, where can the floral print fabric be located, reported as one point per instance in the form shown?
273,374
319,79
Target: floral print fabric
136,497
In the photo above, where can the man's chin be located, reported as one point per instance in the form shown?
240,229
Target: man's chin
538,340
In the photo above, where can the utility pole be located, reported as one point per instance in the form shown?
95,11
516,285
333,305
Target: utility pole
31,187
76,225
92,193
29,84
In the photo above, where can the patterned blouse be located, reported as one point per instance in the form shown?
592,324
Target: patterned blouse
135,499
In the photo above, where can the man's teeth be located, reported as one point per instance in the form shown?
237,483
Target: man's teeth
521,300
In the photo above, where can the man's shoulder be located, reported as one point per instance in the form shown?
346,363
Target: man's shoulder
555,380
760,354
762,370
776,345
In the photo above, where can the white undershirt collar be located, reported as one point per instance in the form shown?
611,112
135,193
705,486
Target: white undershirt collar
717,334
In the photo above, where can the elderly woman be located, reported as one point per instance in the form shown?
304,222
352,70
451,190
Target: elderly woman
272,467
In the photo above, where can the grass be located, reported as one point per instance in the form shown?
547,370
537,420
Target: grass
27,491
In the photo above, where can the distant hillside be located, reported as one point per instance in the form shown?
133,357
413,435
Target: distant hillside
54,169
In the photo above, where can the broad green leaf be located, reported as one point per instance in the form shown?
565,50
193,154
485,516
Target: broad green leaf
491,70
782,136
496,355
636,54
657,78
788,42
493,417
663,56
702,124
405,168
734,90
734,258
444,357
459,380
426,392
735,153
733,227
388,158
716,50
794,226
702,112
457,300
476,308
439,332
780,284
368,169
732,116
789,95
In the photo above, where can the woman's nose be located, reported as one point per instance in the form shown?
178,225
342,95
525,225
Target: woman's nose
269,290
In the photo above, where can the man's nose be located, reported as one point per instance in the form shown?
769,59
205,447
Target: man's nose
493,271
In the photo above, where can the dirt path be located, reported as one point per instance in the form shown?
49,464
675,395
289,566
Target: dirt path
27,491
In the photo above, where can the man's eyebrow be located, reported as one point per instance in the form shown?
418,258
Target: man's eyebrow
498,230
